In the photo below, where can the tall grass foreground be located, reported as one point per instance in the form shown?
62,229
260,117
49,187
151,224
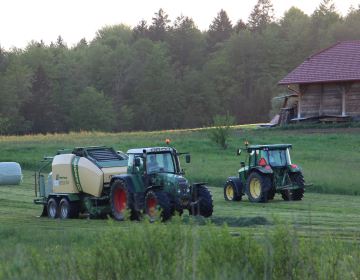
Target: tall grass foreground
175,250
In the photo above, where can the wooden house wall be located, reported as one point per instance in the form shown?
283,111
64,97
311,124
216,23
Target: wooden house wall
310,101
332,100
326,99
353,101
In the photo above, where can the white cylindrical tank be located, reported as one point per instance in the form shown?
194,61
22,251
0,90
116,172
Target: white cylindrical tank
10,173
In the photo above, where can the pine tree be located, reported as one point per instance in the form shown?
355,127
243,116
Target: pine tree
40,107
140,31
159,26
261,16
182,40
240,25
219,31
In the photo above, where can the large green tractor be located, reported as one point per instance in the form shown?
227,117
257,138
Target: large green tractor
154,180
101,181
268,171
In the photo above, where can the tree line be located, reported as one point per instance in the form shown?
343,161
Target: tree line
164,75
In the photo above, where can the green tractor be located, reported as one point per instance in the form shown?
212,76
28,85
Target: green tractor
269,171
101,181
154,180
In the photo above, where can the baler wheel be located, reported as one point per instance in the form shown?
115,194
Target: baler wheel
68,209
258,186
230,192
157,199
206,205
297,194
53,208
122,200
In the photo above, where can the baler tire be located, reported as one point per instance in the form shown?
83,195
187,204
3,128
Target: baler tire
230,192
297,194
120,194
206,205
53,208
68,209
258,186
157,199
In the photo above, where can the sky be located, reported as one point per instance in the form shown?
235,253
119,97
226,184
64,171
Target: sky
23,20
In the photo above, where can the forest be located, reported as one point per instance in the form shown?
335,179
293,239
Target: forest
164,75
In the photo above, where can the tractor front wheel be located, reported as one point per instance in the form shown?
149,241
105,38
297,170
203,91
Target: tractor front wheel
122,200
230,192
53,208
296,194
206,205
157,200
258,186
68,209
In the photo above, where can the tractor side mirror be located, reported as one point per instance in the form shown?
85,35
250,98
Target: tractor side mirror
137,162
239,152
242,164
187,158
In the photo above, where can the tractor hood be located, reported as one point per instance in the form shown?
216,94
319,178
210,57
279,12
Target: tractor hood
173,182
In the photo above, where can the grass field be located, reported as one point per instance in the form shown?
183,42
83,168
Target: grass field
329,213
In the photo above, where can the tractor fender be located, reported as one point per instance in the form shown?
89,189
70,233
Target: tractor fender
199,184
261,170
138,196
238,184
294,170
127,180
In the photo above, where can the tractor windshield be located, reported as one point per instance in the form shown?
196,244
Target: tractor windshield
279,157
160,162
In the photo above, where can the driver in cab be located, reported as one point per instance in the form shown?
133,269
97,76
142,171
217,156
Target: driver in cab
152,164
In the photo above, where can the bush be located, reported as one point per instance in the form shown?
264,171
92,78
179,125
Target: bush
221,130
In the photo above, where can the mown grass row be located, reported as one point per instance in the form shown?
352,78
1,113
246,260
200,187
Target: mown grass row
329,160
177,251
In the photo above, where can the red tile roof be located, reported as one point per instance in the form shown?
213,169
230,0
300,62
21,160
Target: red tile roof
339,62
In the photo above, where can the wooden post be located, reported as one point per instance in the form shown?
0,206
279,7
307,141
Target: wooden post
321,100
343,103
284,106
299,102
35,186
344,88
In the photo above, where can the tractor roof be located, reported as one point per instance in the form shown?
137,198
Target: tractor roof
150,150
270,147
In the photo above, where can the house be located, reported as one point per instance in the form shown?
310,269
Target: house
328,83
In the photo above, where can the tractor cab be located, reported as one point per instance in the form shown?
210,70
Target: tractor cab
266,158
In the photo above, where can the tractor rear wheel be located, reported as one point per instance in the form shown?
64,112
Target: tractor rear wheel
206,205
53,208
230,192
68,209
122,200
157,200
258,186
296,194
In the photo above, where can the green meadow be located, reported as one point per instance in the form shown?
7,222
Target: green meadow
316,238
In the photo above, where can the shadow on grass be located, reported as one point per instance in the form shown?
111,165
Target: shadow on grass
230,221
